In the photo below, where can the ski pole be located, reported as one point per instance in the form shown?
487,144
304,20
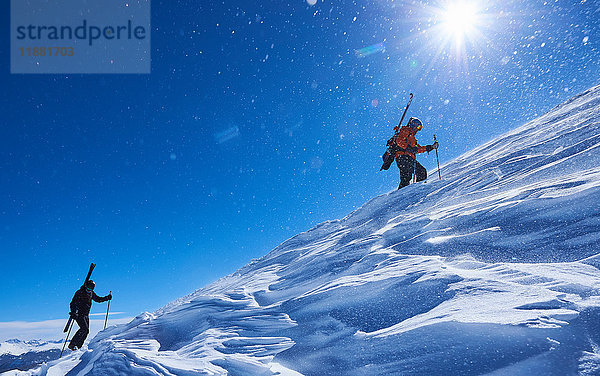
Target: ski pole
64,344
437,158
415,170
107,308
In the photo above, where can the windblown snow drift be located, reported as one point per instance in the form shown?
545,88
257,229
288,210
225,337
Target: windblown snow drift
493,270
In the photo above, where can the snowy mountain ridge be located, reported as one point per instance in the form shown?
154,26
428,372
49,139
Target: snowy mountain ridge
18,347
492,270
17,354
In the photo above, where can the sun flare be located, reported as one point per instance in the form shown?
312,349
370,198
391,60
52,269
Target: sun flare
460,20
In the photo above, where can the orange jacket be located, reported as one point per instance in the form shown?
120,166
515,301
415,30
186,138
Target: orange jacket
408,143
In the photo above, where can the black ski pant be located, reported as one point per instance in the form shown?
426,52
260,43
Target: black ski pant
82,333
407,166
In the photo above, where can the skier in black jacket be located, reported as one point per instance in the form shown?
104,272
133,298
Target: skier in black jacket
80,311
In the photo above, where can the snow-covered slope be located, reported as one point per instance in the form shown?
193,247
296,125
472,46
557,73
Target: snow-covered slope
492,270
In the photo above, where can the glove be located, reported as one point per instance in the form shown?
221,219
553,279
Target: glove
109,296
73,315
431,147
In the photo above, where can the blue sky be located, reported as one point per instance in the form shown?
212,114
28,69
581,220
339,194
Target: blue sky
257,122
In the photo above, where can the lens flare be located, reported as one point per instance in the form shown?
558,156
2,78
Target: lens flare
366,51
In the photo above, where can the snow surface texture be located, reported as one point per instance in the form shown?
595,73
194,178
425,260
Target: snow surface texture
492,270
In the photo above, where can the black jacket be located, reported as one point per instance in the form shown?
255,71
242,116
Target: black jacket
82,301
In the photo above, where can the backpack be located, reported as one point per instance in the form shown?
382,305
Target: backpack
390,154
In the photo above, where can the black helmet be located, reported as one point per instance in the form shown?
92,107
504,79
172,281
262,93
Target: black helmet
413,122
90,285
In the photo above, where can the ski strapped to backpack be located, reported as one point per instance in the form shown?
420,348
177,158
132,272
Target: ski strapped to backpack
392,148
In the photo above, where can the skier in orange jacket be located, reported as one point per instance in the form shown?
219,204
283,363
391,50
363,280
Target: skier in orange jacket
406,156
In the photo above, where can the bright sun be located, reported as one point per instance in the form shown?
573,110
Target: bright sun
453,30
459,19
